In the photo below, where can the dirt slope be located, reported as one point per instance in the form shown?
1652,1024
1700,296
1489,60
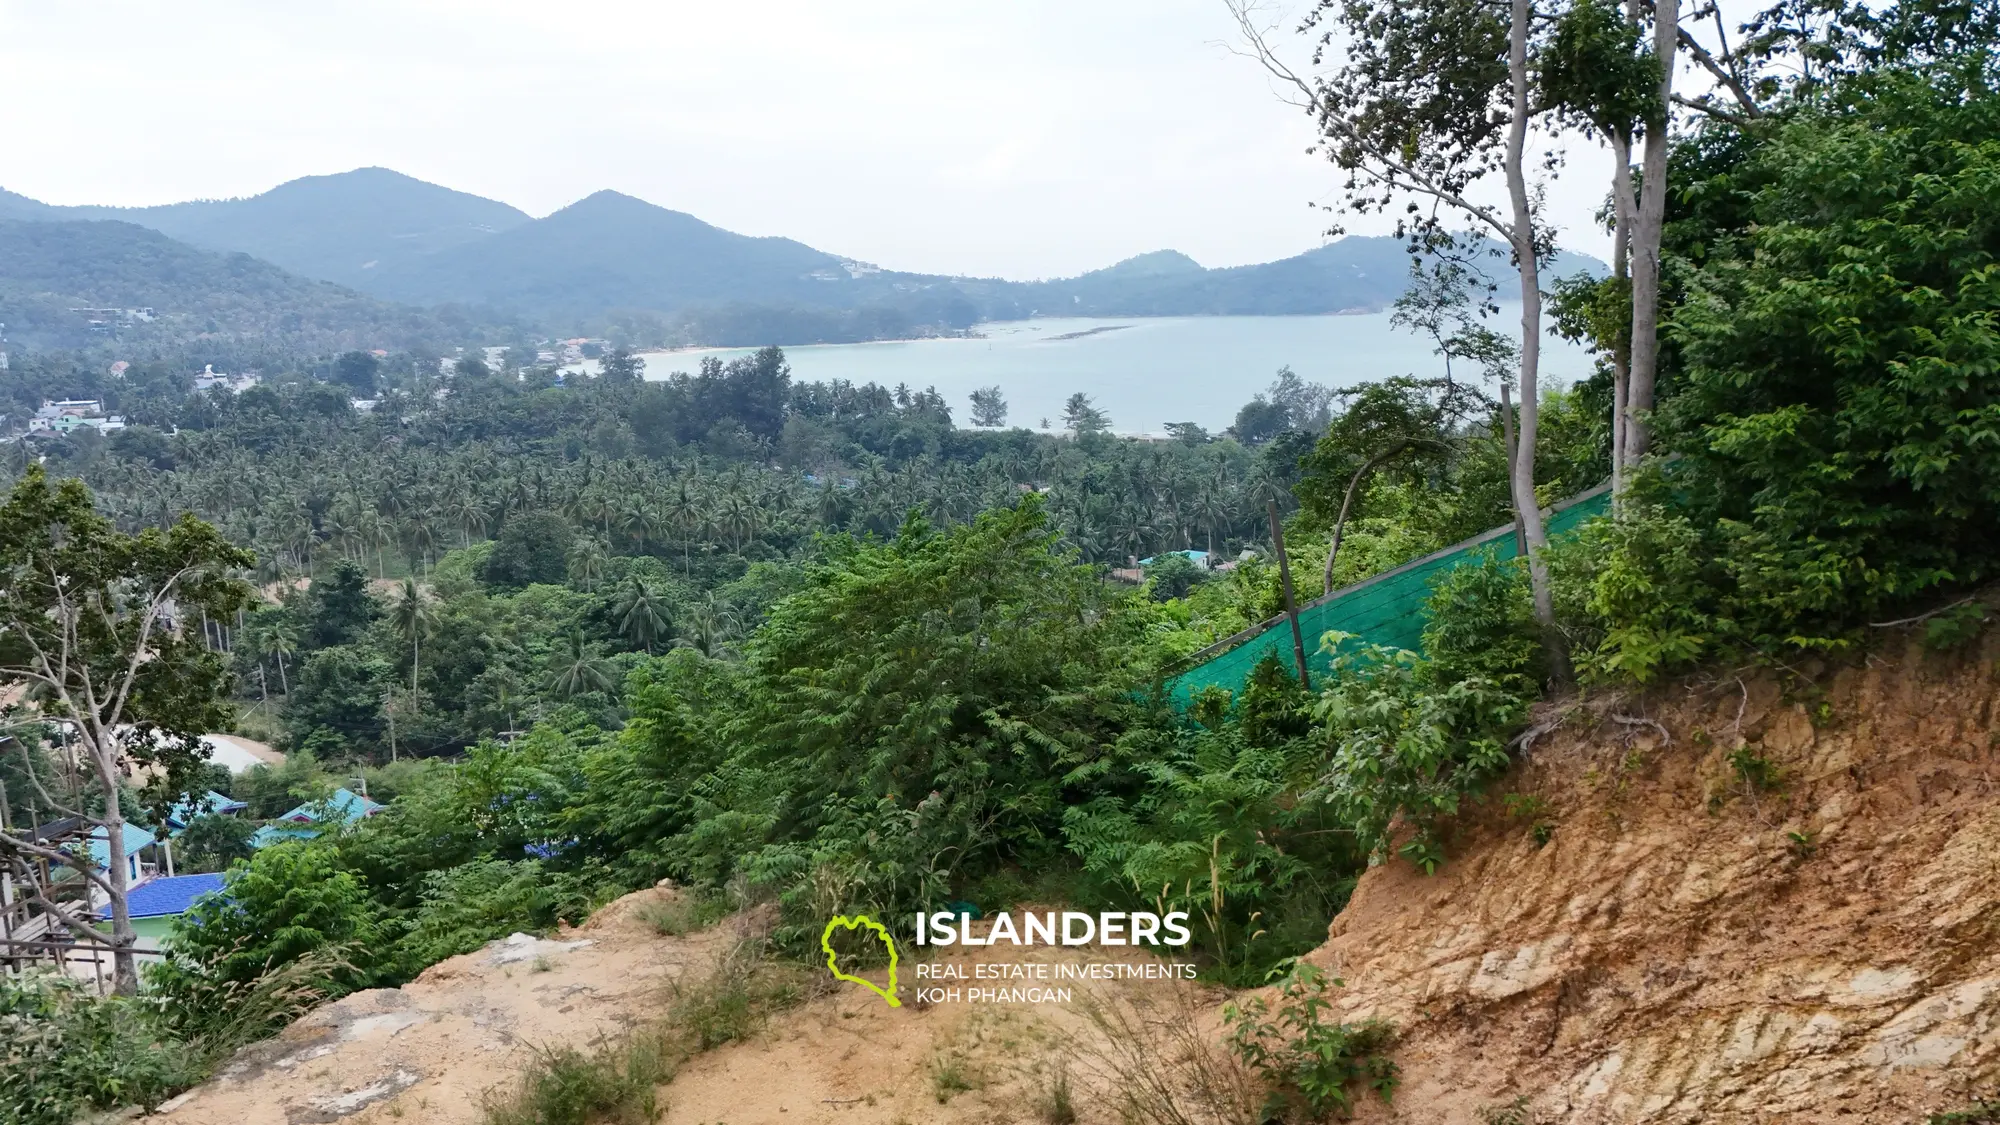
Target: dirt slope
429,1051
1686,948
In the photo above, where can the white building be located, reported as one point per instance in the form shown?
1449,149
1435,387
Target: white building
70,414
234,384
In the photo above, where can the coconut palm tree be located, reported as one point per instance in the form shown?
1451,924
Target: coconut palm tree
640,613
685,511
413,615
282,638
708,628
587,557
576,668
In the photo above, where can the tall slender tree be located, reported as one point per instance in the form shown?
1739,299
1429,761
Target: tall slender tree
1419,101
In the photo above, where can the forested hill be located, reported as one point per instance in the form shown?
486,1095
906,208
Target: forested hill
1353,274
335,228
614,264
612,251
70,284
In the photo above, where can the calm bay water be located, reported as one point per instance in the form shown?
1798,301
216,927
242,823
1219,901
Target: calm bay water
1143,371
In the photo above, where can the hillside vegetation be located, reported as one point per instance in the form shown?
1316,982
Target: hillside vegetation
50,269
1685,815
334,228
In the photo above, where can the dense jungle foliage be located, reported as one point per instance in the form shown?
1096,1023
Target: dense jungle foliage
814,645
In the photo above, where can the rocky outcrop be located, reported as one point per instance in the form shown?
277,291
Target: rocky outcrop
1772,900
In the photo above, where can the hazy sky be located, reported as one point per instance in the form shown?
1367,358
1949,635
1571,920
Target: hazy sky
1025,138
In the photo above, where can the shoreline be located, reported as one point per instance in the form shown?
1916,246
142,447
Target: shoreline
974,332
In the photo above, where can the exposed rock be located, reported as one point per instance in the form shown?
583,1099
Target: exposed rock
516,948
333,1107
1689,949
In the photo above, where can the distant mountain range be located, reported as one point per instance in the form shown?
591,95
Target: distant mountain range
70,284
333,228
608,262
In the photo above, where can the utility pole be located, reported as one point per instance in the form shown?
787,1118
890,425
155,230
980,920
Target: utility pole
1291,606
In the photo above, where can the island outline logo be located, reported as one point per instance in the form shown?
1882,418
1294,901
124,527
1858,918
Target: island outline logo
856,922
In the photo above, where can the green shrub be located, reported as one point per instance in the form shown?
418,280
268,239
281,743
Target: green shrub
291,901
1309,1065
1405,748
1173,575
1834,416
1275,706
1217,831
1635,594
465,907
63,1050
613,1082
1481,625
212,843
1955,627
1753,769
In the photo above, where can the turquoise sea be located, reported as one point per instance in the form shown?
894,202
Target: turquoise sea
1143,371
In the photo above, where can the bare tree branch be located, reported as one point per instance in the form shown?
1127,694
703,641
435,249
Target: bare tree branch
28,765
79,864
1395,175
1706,106
1721,73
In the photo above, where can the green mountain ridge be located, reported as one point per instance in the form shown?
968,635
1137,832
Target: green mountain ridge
335,228
51,270
611,263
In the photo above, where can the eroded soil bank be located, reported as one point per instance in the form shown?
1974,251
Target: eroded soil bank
1690,946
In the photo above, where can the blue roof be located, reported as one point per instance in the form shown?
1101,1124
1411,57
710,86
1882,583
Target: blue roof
134,836
347,807
1191,556
159,898
280,832
211,803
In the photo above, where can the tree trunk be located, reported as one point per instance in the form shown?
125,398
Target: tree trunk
1621,349
1523,239
1291,604
125,966
1346,502
1646,230
1507,433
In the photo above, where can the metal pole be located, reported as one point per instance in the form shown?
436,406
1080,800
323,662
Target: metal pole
1291,606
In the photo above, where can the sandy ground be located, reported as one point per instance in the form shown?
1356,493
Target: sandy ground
848,1058
431,1050
250,746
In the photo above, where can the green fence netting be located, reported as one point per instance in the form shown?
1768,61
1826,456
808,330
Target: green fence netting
1387,609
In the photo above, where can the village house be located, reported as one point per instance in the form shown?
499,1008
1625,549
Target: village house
73,414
